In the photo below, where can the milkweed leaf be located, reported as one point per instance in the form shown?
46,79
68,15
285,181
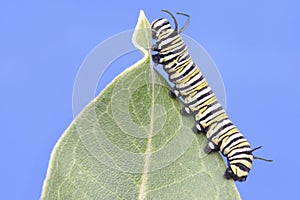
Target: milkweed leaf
131,142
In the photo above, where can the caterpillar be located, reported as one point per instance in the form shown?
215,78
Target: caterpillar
199,99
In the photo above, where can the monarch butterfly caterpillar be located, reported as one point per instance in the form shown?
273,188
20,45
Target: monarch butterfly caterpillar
199,99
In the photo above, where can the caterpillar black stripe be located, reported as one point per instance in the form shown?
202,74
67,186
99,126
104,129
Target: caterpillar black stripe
199,99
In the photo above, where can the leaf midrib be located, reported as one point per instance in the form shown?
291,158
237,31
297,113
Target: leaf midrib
142,192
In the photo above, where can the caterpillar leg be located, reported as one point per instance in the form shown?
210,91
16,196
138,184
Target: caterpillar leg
155,58
173,93
198,128
195,129
229,174
210,147
154,47
185,111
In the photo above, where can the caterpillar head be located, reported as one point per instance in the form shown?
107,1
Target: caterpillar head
159,26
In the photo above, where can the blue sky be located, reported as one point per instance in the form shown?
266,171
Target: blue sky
255,45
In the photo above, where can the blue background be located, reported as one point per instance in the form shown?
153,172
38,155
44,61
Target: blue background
255,45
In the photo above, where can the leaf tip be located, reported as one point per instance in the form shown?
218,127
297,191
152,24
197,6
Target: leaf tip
142,34
142,14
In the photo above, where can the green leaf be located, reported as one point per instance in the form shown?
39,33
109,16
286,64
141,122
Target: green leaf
132,143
